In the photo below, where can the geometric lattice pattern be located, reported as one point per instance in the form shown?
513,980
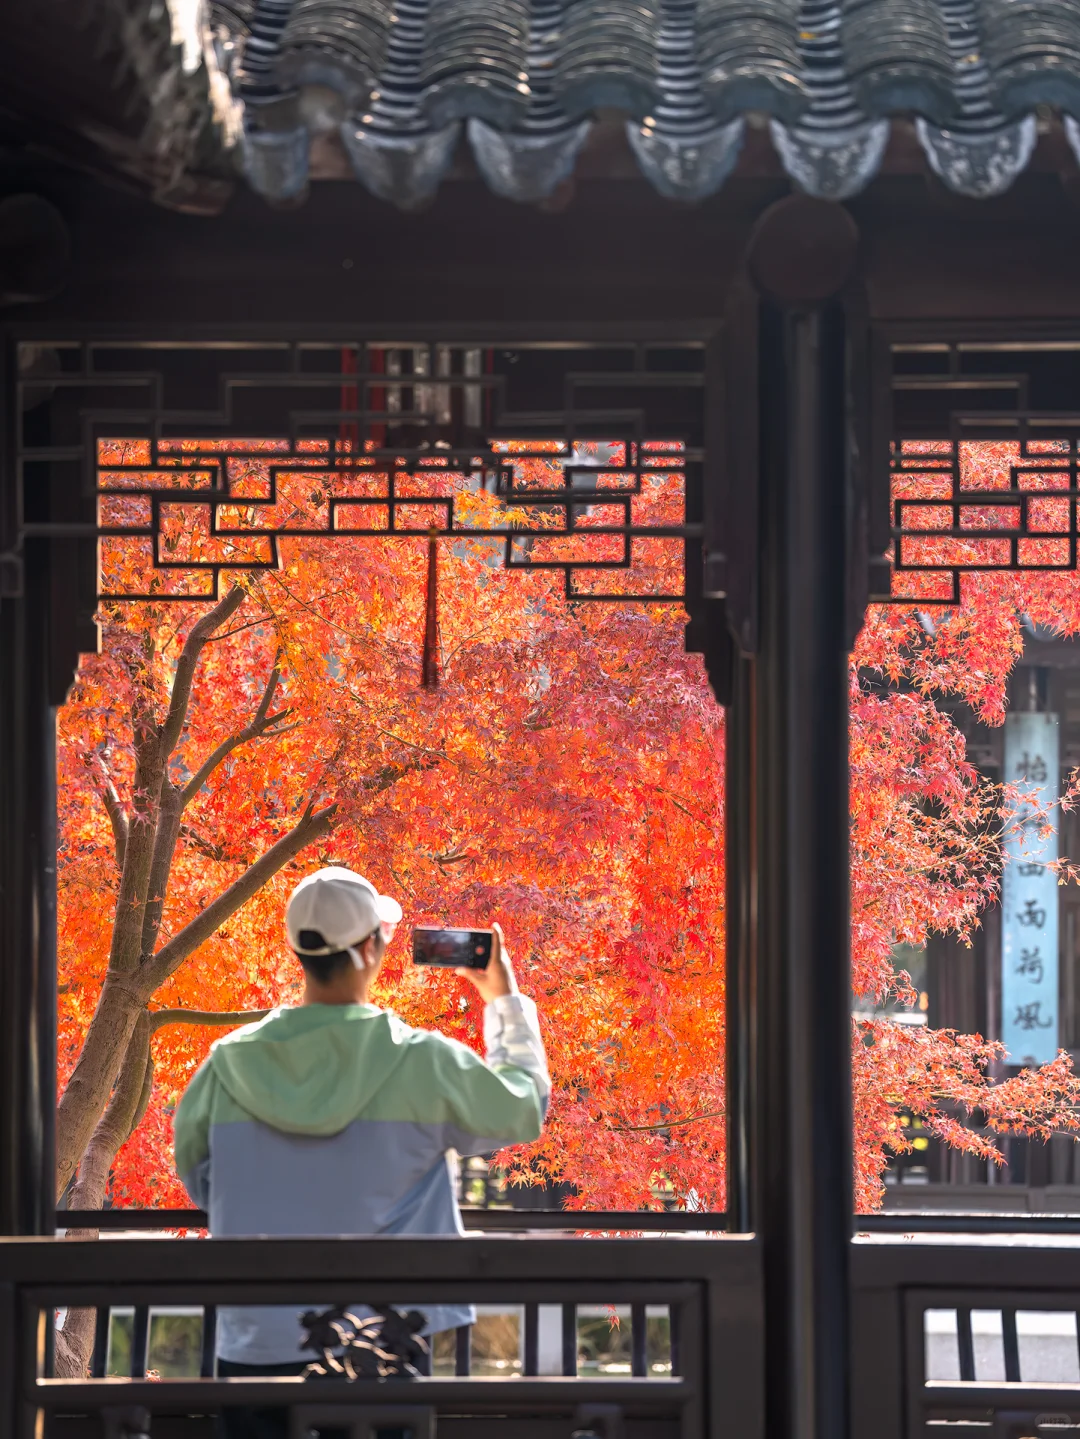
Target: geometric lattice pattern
197,459
962,506
192,509
574,456
984,435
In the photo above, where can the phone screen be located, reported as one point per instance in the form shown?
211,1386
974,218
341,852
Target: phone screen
453,948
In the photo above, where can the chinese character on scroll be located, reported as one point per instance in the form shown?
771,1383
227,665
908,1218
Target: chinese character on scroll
1029,903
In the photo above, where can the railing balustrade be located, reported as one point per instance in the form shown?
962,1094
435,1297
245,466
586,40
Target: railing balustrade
134,1340
954,1335
669,1297
955,1339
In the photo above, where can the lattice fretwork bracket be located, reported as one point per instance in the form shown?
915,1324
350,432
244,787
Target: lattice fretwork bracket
579,457
174,514
981,435
201,459
965,506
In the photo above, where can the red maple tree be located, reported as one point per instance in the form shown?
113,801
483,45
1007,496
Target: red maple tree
566,778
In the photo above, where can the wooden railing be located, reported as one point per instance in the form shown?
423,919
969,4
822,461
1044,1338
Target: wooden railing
710,1289
956,1339
954,1336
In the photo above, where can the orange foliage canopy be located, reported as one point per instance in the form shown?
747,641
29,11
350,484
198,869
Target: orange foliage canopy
567,779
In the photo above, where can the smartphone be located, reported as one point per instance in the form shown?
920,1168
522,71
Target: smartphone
452,948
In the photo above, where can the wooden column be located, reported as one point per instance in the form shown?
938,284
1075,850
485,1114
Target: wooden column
790,821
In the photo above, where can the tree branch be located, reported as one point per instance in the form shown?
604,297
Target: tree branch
185,666
146,1092
261,726
165,837
125,947
388,776
312,825
201,843
172,798
667,1123
159,1018
151,834
118,820
437,754
686,811
114,807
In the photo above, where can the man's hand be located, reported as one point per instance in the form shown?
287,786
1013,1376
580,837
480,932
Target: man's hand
498,978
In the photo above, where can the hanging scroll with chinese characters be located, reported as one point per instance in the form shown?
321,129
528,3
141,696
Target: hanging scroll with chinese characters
1029,891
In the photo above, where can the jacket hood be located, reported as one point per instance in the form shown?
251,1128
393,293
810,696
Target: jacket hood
311,1070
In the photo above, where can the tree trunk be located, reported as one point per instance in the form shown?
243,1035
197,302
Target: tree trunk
75,1341
123,996
107,1044
116,1124
110,1084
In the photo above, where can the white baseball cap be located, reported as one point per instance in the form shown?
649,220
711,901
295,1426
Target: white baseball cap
342,907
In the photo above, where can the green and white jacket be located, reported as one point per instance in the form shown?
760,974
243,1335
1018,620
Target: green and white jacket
341,1119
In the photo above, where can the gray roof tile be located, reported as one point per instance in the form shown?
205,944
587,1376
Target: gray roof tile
526,75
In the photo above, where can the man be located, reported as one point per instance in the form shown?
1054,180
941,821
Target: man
337,1118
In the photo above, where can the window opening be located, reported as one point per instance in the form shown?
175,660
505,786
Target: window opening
577,481
975,668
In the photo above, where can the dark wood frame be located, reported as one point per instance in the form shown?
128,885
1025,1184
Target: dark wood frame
930,263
